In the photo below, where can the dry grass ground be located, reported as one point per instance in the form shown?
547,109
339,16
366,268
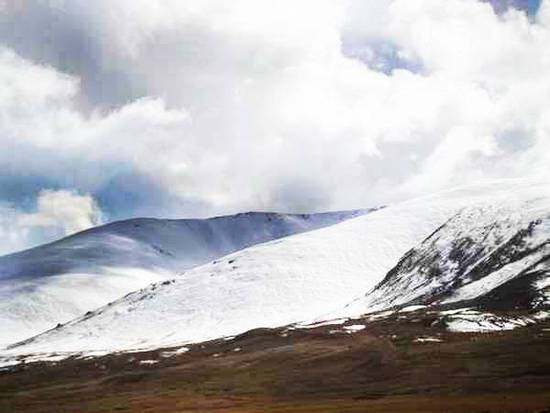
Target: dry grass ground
380,369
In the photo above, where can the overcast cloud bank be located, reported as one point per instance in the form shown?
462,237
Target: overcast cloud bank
197,108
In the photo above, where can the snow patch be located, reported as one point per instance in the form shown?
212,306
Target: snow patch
148,362
354,328
320,324
427,340
477,322
176,352
412,308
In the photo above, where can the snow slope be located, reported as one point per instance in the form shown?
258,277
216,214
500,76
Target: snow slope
57,282
495,254
297,278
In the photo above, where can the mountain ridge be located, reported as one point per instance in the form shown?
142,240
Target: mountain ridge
299,278
59,281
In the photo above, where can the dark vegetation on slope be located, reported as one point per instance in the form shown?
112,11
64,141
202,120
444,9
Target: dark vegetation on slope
467,259
516,293
380,369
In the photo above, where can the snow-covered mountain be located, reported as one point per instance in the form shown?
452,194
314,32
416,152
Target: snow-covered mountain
57,282
495,255
388,252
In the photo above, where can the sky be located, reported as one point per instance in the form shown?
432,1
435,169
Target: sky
113,110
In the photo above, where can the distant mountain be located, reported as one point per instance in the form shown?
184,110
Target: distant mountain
422,251
57,282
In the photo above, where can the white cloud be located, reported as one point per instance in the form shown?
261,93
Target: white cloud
62,209
57,214
264,105
40,128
